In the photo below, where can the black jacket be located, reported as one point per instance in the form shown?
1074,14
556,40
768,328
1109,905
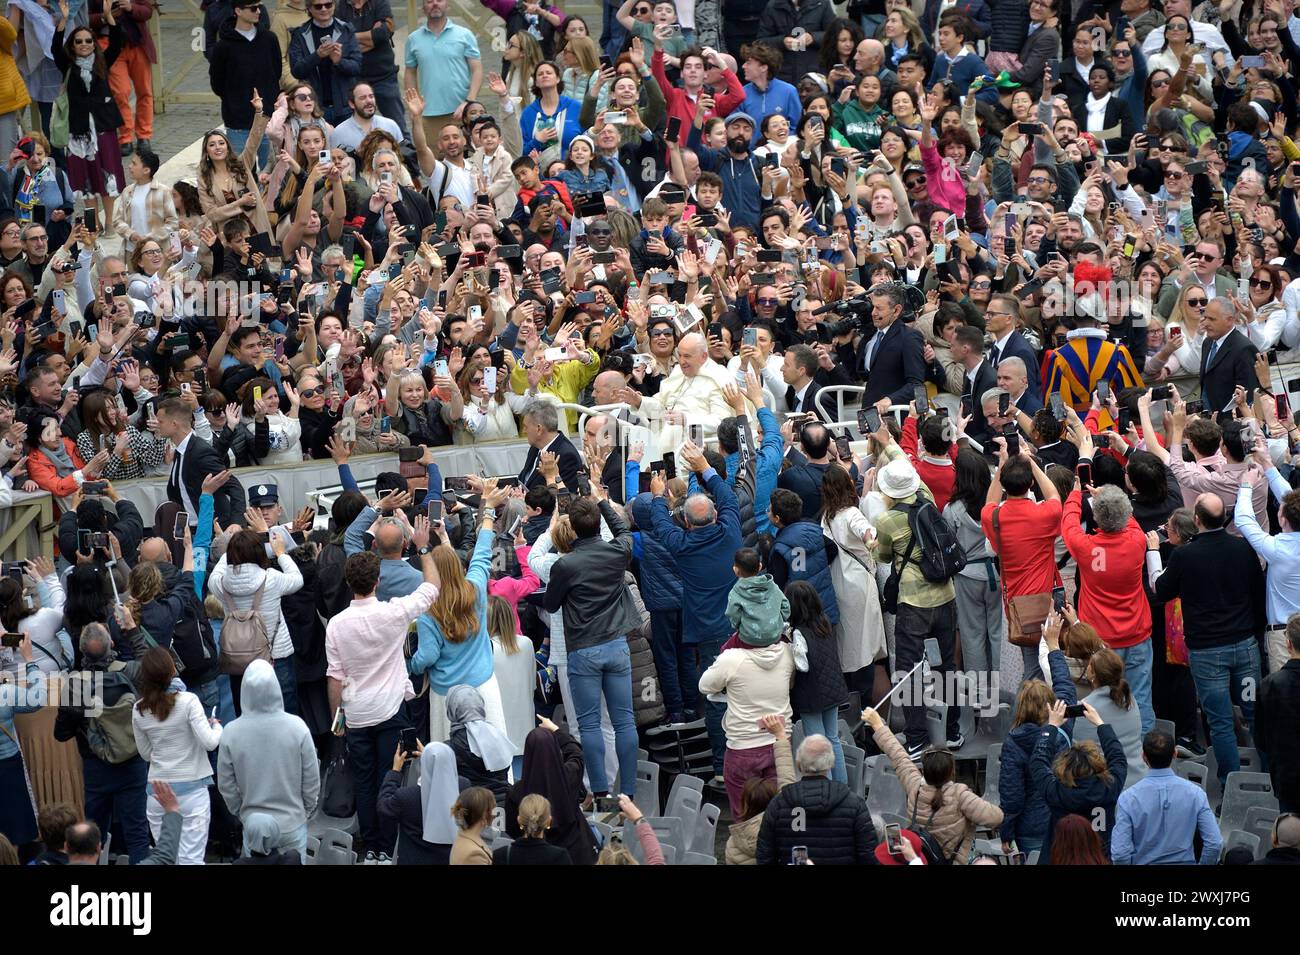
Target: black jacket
530,852
805,479
1280,857
985,378
129,528
822,687
97,101
588,583
216,15
898,366
780,18
1087,795
836,825
1234,364
567,457
1276,716
401,804
376,17
238,66
1221,584
470,766
197,463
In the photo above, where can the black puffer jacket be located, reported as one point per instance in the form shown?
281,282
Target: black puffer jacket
822,687
1010,26
836,825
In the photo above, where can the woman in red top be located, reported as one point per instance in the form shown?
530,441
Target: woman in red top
1026,536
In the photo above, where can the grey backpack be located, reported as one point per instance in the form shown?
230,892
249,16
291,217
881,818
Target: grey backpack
244,637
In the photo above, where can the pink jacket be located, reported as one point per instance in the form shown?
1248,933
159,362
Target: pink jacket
944,184
514,589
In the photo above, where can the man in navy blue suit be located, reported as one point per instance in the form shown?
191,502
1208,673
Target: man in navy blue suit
1013,378
1002,322
891,359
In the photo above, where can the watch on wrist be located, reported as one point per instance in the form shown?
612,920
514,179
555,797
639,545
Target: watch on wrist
489,513
427,548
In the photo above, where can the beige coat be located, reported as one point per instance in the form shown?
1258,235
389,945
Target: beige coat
742,842
468,849
217,209
163,220
955,821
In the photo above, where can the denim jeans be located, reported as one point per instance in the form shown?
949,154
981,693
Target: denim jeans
605,670
239,139
370,755
118,791
1221,675
673,660
286,674
913,626
1137,670
713,712
827,723
388,99
293,839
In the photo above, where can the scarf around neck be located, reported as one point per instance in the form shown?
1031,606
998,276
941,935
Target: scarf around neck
86,64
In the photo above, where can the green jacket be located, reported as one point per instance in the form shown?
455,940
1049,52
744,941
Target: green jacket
861,127
758,610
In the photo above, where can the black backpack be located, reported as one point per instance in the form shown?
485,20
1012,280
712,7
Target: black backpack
931,848
941,556
193,642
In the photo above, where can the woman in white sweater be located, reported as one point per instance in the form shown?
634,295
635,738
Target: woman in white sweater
242,576
174,736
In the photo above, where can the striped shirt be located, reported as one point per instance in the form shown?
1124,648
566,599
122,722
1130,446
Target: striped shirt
1085,359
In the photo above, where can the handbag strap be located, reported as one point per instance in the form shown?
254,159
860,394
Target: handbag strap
997,533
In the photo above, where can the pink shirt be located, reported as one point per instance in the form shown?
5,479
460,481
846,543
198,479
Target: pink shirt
364,648
1220,476
514,589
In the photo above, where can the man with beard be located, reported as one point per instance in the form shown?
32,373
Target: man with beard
743,182
452,175
365,117
544,224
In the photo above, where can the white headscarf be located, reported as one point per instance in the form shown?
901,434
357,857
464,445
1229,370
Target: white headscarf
439,787
487,742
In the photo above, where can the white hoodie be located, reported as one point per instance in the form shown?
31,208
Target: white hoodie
757,682
238,584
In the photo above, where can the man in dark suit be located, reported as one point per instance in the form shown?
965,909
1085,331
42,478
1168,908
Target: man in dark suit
542,429
1227,356
1073,81
1002,321
194,461
891,359
1013,377
799,373
968,349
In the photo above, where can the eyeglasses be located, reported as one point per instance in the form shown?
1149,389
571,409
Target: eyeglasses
38,238
661,333
1039,179
151,251
1196,302
1261,283
988,312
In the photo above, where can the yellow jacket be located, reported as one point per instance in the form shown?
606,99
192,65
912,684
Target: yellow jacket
566,381
13,91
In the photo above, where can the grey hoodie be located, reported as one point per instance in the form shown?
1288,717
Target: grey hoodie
267,762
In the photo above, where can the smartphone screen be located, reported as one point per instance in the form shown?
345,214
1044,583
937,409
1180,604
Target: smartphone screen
182,521
894,838
409,741
842,447
1084,472
1058,598
435,510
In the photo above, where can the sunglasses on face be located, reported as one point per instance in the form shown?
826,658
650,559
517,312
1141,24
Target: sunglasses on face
916,181
1155,84
1197,302
661,333
1175,175
769,301
1261,283
984,285
311,392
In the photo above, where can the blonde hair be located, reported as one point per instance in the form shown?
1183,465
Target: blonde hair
212,607
584,51
1033,703
455,609
501,624
145,583
615,853
562,535
1081,761
534,816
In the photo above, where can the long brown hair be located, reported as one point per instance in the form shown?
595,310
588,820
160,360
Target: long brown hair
937,766
758,792
838,492
1081,761
99,68
1108,670
154,684
94,417
234,164
1075,842
290,190
455,609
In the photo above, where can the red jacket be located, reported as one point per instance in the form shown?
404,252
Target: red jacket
1028,552
683,107
938,478
1111,597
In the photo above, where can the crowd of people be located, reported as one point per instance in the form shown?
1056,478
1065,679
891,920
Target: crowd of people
846,352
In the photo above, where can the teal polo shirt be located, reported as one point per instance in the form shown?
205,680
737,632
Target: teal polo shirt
443,61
